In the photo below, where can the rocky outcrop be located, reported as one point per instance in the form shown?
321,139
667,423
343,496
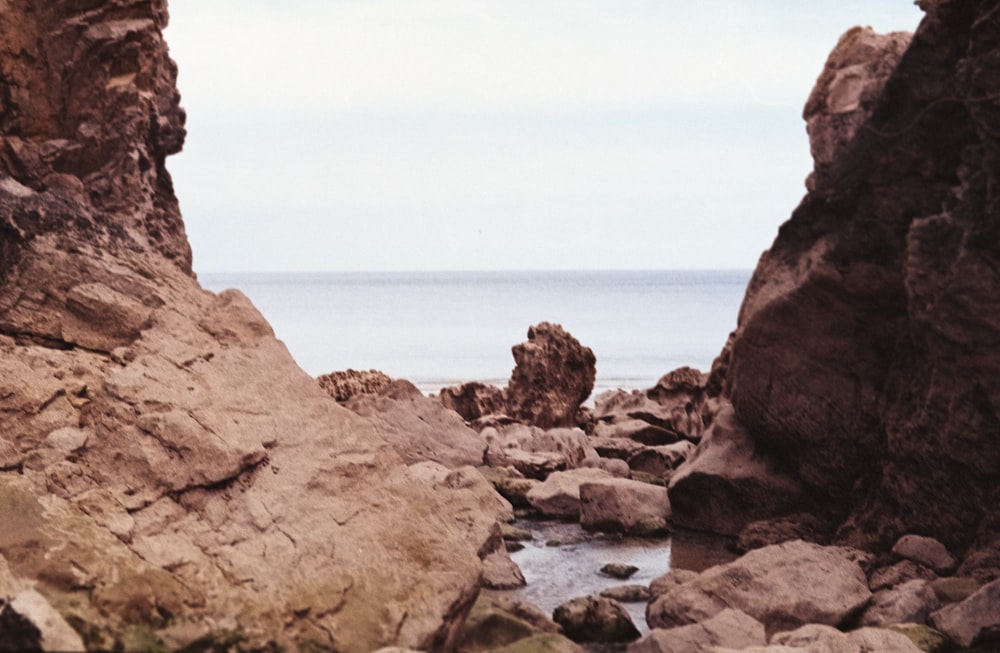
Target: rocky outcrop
350,383
866,358
554,375
473,400
164,464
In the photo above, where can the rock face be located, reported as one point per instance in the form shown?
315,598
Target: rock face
163,461
867,357
553,376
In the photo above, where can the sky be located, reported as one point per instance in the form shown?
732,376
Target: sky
339,135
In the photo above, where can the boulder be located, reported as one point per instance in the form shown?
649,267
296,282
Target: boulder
672,578
473,400
595,619
510,484
548,643
614,466
662,460
419,428
536,452
897,574
954,589
554,375
730,628
910,602
867,353
559,495
613,447
728,482
497,621
822,638
623,506
500,572
782,586
800,526
350,383
925,551
683,392
974,621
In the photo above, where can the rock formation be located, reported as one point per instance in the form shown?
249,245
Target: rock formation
867,358
553,376
350,383
165,467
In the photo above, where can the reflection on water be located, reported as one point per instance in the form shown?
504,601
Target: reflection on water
556,574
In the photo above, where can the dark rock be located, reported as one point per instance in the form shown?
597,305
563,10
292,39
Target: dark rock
800,526
728,483
899,573
619,570
473,400
553,376
627,593
345,385
595,619
867,357
925,551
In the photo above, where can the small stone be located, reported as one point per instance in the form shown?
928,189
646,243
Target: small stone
627,593
618,570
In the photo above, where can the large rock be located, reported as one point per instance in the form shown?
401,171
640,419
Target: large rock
166,466
729,628
595,619
536,452
554,375
661,461
728,482
473,400
419,428
559,495
782,586
820,638
911,602
622,506
974,621
867,355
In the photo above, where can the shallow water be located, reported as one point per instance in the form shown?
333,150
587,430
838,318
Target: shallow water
556,574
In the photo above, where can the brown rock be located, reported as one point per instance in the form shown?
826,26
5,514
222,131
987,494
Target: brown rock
350,383
818,637
419,428
783,586
954,589
473,400
866,355
553,376
728,483
730,628
925,551
638,430
800,526
500,572
595,619
911,602
510,484
975,621
614,466
623,506
663,460
559,495
613,447
536,452
627,593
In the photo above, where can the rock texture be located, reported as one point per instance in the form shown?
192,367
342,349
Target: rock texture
620,505
554,375
164,464
473,400
595,619
867,357
730,628
349,383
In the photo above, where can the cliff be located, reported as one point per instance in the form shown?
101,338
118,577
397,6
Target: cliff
167,473
866,364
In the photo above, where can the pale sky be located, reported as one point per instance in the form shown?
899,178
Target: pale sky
329,135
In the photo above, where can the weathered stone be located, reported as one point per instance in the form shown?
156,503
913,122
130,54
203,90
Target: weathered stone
636,430
500,572
910,602
730,628
554,375
662,460
823,638
549,643
473,400
595,619
559,495
614,466
535,452
925,551
510,484
627,593
672,578
954,589
419,428
899,573
350,383
618,448
623,506
728,483
495,621
974,621
782,586
801,526
619,570
28,612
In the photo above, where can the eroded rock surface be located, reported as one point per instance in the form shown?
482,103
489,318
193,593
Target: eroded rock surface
163,461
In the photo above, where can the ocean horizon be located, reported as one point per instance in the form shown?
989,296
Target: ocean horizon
438,329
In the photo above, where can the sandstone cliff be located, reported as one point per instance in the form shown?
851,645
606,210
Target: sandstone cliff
867,359
166,471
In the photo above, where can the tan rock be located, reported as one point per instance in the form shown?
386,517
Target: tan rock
559,495
623,506
536,452
729,628
782,586
817,638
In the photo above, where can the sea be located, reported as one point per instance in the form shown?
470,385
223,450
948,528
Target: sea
438,329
